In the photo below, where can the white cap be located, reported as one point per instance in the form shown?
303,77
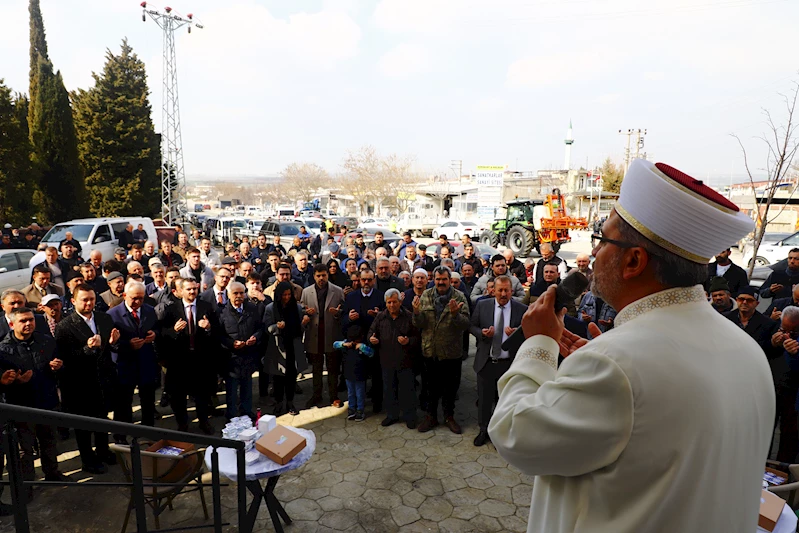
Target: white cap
679,213
49,298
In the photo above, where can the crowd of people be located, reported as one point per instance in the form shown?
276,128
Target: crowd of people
86,336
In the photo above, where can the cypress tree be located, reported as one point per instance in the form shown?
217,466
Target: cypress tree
17,175
118,147
61,192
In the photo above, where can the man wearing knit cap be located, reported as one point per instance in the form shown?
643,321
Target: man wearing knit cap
720,297
664,422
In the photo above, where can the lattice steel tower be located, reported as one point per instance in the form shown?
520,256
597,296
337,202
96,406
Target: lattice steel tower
173,177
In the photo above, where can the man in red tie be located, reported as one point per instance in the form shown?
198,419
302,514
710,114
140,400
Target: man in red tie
137,364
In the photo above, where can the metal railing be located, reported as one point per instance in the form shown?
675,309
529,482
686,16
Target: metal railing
9,414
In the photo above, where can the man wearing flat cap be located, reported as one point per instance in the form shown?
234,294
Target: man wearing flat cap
750,320
664,422
720,297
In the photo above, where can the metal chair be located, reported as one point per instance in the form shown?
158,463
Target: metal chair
788,491
183,470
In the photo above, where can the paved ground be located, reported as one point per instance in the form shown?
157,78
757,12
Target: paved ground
362,478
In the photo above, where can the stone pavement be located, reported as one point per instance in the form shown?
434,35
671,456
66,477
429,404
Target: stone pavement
362,478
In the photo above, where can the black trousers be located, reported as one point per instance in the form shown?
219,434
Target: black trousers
318,362
124,408
399,393
28,433
443,377
202,402
789,432
84,440
376,372
487,394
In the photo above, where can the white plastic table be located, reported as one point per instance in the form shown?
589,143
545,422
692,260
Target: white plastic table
267,469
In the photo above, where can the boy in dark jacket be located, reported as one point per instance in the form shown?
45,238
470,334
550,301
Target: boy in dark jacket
356,368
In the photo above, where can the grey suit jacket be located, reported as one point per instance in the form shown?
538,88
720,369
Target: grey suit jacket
483,318
335,297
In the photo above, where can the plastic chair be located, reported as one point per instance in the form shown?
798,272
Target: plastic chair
184,469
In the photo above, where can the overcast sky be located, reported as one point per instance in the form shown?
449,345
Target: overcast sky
493,82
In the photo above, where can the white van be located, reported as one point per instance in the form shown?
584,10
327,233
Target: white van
98,233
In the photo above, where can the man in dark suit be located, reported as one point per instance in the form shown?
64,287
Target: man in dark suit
241,333
749,319
137,363
493,321
217,295
736,276
85,340
384,280
361,307
188,350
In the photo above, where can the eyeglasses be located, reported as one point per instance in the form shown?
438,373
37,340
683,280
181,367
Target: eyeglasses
746,300
620,244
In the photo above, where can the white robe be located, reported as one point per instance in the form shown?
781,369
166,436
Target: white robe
662,424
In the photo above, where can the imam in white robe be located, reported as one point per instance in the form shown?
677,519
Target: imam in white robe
662,424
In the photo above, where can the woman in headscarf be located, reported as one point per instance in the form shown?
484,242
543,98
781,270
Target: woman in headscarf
336,276
285,354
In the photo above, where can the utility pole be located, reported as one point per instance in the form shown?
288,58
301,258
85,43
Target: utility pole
639,145
173,176
456,166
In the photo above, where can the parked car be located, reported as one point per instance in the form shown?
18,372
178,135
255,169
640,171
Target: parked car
97,233
225,229
350,222
372,221
313,225
271,228
773,248
14,270
453,229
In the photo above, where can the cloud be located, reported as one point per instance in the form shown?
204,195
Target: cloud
606,99
418,16
404,61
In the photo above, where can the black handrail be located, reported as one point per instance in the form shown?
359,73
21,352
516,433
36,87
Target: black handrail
15,413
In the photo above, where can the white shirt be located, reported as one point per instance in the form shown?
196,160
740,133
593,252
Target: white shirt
90,322
193,307
217,292
646,428
721,270
506,318
366,294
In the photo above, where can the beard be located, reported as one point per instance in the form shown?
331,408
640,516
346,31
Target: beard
606,283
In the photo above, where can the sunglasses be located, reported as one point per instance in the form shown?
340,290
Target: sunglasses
746,300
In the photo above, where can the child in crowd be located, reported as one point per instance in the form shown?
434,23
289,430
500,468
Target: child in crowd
356,355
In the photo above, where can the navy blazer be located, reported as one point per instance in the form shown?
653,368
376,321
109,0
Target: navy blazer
359,303
208,296
135,367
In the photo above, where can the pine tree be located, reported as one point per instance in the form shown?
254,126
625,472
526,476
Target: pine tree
612,176
61,191
61,194
118,147
17,175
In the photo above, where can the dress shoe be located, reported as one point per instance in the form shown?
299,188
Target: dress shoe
58,476
411,424
482,438
164,400
293,411
107,457
452,425
427,424
388,421
95,469
313,402
206,428
338,404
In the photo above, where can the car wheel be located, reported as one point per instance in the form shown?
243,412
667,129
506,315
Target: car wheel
435,235
761,261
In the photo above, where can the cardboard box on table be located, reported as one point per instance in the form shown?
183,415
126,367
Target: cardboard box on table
280,445
770,510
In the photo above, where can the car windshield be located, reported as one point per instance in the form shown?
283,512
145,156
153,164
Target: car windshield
313,224
289,229
235,224
80,232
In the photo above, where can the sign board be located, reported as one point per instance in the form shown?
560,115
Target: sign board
490,176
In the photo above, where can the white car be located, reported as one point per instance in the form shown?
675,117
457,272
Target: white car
313,225
14,270
773,248
454,229
375,222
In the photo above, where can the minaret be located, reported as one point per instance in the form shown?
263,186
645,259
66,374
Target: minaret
569,141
